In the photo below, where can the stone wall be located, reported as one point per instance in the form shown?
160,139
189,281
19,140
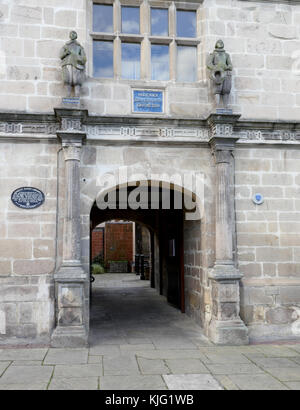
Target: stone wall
27,241
268,239
262,37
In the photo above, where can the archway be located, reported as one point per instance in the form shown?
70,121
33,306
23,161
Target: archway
163,211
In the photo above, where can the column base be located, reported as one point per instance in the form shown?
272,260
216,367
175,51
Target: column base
69,337
232,333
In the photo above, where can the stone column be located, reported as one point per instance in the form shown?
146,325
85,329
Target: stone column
226,326
70,279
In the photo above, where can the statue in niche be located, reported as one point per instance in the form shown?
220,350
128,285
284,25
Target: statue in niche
220,66
73,60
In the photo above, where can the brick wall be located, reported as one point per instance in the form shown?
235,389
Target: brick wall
118,241
97,242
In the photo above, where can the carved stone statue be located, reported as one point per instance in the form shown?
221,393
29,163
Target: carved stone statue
73,59
220,66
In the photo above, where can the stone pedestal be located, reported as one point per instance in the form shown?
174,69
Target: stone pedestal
226,326
70,279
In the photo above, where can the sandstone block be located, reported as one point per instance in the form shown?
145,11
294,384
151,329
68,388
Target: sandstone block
33,267
289,269
66,18
283,31
250,269
274,254
15,248
280,315
5,268
29,31
43,248
269,269
102,92
23,230
289,295
277,179
26,14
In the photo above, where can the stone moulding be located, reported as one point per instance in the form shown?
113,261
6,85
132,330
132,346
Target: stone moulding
145,130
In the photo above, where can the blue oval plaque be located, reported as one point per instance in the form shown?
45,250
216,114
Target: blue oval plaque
28,198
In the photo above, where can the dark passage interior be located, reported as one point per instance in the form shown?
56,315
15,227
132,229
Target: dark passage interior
166,240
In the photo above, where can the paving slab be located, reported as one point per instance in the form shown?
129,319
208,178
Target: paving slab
173,343
23,354
171,354
78,371
66,356
89,383
192,382
3,366
225,358
293,385
152,366
289,374
186,366
225,382
105,350
151,382
31,386
27,363
259,382
26,375
269,362
277,351
120,365
234,368
136,348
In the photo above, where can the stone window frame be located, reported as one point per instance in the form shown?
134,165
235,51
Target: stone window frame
145,38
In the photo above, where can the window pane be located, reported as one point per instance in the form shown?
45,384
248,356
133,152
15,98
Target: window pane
103,18
186,63
131,20
160,62
186,23
131,53
159,22
103,59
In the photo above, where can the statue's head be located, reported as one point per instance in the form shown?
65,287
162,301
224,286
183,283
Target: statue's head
73,35
219,45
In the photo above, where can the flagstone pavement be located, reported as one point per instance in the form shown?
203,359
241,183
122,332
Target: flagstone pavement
139,342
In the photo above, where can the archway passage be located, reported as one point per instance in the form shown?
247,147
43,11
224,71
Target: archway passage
166,228
166,232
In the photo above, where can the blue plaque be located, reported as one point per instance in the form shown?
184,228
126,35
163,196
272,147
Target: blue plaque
258,199
28,198
148,101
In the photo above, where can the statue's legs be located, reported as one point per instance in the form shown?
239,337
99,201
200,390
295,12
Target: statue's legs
217,97
69,88
225,100
77,90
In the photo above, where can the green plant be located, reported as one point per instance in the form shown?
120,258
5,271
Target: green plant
99,259
97,269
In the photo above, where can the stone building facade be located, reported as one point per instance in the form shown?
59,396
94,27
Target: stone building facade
240,276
